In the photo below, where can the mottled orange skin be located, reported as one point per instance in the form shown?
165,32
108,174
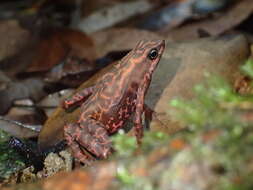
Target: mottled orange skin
109,104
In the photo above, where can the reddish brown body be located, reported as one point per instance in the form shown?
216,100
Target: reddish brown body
110,103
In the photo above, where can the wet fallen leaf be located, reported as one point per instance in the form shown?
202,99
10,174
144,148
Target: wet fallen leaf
109,16
89,7
55,46
50,50
30,88
118,39
27,112
13,37
18,129
50,102
74,71
214,26
168,17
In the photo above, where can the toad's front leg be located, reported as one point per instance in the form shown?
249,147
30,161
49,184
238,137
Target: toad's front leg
91,136
140,108
138,127
78,97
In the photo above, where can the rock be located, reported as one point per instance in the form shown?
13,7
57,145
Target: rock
188,171
183,65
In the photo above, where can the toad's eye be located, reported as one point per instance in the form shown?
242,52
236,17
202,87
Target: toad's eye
153,54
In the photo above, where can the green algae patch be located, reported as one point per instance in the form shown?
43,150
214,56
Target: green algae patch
10,161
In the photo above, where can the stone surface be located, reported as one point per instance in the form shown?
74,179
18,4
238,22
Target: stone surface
183,65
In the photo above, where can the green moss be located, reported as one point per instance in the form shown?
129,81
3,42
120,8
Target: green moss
10,161
124,176
126,147
217,106
123,144
247,68
4,136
